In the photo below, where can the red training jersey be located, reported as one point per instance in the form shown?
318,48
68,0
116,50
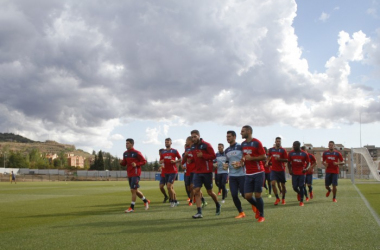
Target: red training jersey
299,161
162,169
268,168
276,153
168,155
330,157
312,161
253,148
131,156
190,165
203,164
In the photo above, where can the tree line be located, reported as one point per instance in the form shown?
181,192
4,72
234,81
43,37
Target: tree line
105,161
34,159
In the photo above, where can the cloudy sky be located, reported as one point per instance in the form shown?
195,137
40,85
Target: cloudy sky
93,73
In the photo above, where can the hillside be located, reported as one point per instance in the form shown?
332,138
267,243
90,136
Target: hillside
14,142
10,137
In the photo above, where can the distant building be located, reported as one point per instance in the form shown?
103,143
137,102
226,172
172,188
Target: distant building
373,151
75,160
51,156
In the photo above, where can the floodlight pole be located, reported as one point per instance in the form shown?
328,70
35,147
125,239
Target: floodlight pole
4,159
352,167
360,121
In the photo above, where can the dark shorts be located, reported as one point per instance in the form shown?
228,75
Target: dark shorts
162,180
298,180
309,179
267,177
170,178
134,182
254,183
191,178
203,179
221,179
331,179
187,180
237,185
13,178
278,176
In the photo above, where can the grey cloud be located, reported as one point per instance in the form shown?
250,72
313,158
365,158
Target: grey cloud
173,59
363,87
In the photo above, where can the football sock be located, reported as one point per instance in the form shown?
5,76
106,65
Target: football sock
237,203
203,199
144,199
252,201
260,206
133,205
310,188
277,196
301,193
199,210
224,192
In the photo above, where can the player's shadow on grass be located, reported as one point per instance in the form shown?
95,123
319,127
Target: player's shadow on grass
110,205
152,226
75,214
116,208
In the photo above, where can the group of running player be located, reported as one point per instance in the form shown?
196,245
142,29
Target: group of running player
248,167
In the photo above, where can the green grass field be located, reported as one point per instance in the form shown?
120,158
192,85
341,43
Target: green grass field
372,194
90,215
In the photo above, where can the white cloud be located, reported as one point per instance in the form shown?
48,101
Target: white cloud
324,16
372,12
372,50
117,137
152,136
89,67
179,145
166,129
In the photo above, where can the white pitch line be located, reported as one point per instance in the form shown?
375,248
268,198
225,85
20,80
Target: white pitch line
373,212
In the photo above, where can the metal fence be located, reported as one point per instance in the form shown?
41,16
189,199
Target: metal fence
67,175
